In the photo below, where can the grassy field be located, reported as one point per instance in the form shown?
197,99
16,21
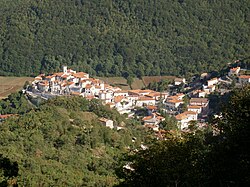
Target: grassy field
116,81
10,85
137,83
148,79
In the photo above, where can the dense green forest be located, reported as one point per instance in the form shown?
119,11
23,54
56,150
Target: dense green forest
122,38
62,143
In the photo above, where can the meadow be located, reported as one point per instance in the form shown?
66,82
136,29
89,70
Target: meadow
10,85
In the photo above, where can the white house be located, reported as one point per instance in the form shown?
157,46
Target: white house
173,103
201,93
185,117
43,86
178,81
203,102
234,71
121,93
107,122
142,100
196,109
212,81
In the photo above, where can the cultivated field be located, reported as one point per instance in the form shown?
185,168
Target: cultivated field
10,85
116,81
148,79
137,83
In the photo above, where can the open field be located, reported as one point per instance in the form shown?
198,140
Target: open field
116,81
137,84
148,79
10,85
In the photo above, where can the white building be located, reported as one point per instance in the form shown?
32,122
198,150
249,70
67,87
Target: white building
234,71
212,81
145,101
185,117
107,122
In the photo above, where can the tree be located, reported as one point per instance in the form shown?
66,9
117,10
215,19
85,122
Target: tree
8,171
130,80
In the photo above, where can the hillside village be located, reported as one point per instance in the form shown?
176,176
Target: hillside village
72,83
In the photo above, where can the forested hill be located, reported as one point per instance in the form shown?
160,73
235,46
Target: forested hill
113,37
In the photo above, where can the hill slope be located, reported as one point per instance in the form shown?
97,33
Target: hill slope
113,38
62,143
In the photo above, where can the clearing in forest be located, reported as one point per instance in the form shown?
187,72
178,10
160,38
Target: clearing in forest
149,79
10,85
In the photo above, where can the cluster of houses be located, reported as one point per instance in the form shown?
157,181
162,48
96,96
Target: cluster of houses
70,82
243,79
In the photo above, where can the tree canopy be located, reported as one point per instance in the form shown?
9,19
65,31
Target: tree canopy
62,143
114,38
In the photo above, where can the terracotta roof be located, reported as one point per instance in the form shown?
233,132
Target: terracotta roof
118,99
103,119
121,91
5,116
154,94
147,118
181,116
185,115
194,107
174,101
59,74
64,76
180,94
75,93
146,91
143,98
190,113
174,97
244,77
198,100
80,75
88,86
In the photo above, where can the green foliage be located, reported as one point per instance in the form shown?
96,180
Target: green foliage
113,38
198,158
173,162
232,150
159,86
8,171
16,103
62,143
